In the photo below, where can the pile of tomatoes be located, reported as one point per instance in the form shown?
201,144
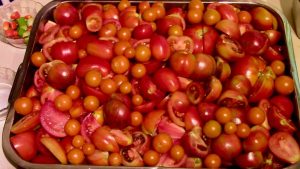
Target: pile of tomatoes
159,84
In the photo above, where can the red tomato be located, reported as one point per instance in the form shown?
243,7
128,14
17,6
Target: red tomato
45,159
26,123
65,51
65,14
25,144
160,48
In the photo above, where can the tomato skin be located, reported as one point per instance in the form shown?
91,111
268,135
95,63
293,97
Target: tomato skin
205,66
166,22
150,90
284,103
61,75
116,114
44,159
142,31
115,159
65,14
92,62
166,79
151,121
160,48
84,40
65,51
227,146
250,159
104,140
192,119
106,48
162,143
38,58
201,33
25,144
256,141
212,161
177,152
284,85
151,158
99,158
26,123
23,105
278,121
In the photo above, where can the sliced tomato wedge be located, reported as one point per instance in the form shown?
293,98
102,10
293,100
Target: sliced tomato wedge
52,120
26,123
284,146
88,126
55,148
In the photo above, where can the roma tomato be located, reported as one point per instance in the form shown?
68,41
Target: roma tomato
160,48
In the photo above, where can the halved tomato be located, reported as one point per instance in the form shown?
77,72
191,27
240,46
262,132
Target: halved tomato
52,120
284,146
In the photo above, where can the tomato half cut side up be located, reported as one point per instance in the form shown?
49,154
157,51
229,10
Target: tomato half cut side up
285,147
52,120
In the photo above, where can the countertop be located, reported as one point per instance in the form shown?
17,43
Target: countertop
11,57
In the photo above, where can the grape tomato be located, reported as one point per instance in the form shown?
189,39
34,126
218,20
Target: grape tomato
137,84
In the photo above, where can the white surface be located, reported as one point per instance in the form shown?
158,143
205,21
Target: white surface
12,58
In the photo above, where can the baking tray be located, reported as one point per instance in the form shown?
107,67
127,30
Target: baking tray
25,73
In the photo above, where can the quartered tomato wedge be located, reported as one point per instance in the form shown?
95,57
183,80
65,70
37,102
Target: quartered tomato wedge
26,123
285,147
88,126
